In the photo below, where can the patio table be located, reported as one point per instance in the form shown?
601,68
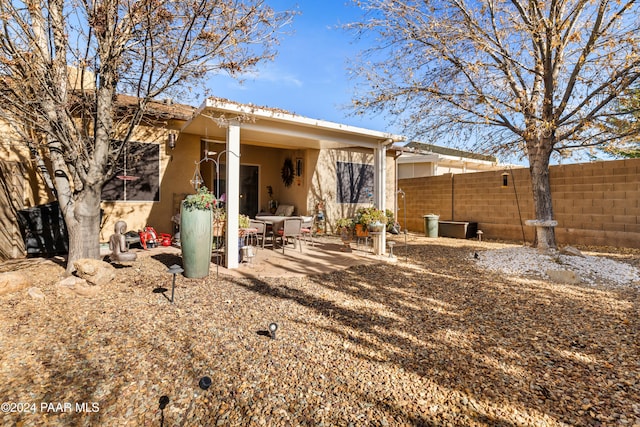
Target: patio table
276,221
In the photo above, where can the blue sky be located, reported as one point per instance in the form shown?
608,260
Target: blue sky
309,76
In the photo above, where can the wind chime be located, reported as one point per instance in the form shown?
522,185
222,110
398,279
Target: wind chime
124,177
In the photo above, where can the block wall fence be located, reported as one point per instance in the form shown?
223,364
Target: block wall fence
594,203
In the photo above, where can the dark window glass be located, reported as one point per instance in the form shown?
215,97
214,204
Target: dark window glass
355,182
137,176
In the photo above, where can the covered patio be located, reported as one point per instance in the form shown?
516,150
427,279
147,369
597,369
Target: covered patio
327,255
224,138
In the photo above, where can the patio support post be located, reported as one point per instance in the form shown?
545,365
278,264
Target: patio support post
379,192
233,194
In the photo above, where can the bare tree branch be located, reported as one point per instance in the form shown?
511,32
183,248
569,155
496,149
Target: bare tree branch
501,76
63,62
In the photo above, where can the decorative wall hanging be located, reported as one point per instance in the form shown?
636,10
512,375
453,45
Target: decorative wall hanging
287,172
299,166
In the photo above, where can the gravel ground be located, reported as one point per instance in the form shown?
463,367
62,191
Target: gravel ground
590,269
437,338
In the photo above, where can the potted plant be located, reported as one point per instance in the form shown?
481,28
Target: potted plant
243,221
344,223
196,232
219,219
345,228
392,226
372,219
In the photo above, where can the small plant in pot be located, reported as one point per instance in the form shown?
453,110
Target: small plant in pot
392,226
202,200
243,221
344,223
219,219
372,218
344,226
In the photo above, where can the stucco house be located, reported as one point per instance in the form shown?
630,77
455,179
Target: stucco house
237,150
420,159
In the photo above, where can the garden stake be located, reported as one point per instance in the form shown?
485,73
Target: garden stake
164,401
174,269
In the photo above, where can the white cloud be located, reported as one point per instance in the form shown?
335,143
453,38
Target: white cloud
272,74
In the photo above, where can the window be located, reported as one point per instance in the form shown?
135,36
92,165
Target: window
137,176
354,182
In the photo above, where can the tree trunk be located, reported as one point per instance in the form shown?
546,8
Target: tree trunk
83,226
541,188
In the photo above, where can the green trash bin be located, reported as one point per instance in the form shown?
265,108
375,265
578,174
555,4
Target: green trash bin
431,225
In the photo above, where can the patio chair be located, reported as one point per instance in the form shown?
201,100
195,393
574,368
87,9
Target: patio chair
291,228
307,228
261,233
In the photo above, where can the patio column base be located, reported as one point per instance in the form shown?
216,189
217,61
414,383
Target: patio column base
378,244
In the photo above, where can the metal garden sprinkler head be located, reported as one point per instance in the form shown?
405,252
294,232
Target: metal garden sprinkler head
273,327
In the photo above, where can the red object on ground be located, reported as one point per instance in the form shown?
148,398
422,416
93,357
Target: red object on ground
148,236
165,239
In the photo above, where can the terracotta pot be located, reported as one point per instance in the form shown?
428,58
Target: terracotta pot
361,231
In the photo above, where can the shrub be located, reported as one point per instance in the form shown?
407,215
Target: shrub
202,200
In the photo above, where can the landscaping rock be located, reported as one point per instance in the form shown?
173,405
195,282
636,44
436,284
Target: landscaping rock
571,251
77,286
94,271
13,281
35,293
563,276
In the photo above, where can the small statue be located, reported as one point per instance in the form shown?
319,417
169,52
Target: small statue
118,244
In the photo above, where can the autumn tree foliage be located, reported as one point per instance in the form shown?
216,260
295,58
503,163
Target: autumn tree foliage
536,78
143,48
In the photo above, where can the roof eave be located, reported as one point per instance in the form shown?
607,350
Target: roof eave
272,114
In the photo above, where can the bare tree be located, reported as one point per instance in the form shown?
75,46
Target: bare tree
627,126
142,48
531,77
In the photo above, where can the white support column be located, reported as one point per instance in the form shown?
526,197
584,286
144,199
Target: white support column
233,194
380,180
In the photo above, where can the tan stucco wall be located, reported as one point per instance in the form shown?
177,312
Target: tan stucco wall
324,185
272,161
137,214
13,150
177,169
318,181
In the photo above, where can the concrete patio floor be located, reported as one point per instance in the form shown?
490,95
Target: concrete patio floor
326,255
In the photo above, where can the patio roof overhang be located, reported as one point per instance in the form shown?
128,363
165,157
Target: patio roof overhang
240,124
276,128
444,160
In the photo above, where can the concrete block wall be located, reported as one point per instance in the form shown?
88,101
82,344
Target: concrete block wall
594,203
